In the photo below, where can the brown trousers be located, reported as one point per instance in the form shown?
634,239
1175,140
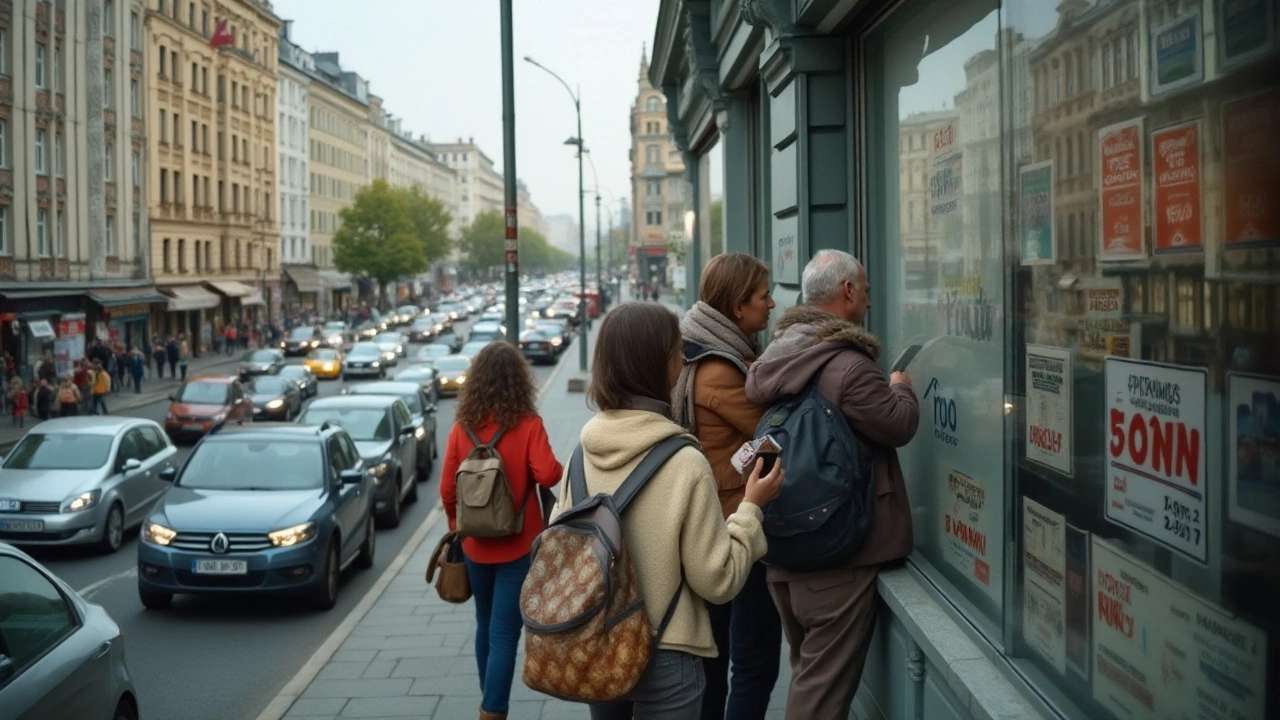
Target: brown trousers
828,618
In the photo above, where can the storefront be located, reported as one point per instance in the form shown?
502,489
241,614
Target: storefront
122,315
239,301
194,312
337,294
302,289
29,318
1074,207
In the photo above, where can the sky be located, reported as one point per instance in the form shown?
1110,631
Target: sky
436,64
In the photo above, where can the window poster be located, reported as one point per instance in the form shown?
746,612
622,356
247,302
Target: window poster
1251,171
1048,410
1035,212
1175,158
1177,54
1247,30
1157,464
1077,600
1159,651
1103,331
1044,592
945,172
1120,217
1253,414
969,528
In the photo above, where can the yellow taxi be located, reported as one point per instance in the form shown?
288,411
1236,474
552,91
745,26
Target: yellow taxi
325,363
452,371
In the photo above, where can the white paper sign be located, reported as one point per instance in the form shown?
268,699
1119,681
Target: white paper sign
1044,567
1048,411
967,544
1253,412
945,172
1157,460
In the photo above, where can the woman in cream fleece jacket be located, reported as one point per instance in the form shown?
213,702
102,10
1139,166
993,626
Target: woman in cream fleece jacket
676,533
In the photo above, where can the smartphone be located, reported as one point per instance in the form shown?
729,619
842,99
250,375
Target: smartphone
905,358
769,459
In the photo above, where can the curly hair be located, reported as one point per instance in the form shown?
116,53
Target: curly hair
499,387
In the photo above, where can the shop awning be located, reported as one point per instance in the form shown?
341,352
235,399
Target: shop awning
42,329
116,297
230,288
335,280
191,297
252,299
306,277
37,294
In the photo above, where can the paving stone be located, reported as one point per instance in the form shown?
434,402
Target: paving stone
342,671
358,688
447,686
420,706
419,667
313,708
380,669
353,656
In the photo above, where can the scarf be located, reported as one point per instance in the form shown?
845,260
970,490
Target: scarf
716,333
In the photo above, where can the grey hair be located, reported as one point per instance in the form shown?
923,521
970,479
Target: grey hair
825,273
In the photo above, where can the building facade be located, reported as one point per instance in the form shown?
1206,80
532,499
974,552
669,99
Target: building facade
480,186
301,278
1074,207
657,183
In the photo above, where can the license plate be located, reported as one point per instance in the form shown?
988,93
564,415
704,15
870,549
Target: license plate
22,525
219,567
10,506
193,428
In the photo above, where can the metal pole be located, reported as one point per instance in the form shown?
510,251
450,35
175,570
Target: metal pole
511,242
582,245
599,273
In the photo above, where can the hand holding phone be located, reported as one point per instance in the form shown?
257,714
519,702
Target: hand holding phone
900,365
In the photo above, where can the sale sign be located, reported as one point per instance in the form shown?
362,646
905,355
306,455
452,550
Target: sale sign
1251,172
1157,453
1121,231
1175,158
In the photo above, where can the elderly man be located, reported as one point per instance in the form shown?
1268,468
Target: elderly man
828,614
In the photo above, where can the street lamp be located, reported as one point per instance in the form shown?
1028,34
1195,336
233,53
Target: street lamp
582,228
595,179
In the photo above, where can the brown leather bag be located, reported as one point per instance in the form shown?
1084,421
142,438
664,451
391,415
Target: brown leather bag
452,585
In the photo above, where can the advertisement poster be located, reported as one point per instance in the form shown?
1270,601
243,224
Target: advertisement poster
1104,301
1159,651
945,172
1247,30
1102,337
1077,601
1251,173
1048,412
1157,464
1120,219
965,527
1175,159
1177,54
1035,212
1253,453
1044,591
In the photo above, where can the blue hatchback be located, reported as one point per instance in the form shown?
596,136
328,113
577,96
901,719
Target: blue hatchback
260,508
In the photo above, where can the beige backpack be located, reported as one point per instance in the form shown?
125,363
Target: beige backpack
485,506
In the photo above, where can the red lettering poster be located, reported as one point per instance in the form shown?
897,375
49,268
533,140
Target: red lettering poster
1175,169
1122,230
1251,182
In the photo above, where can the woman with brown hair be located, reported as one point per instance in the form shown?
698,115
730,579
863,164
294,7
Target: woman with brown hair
678,539
497,407
711,402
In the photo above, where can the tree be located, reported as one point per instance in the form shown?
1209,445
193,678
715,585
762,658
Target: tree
430,222
717,227
482,240
377,239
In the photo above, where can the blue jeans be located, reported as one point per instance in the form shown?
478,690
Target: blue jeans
496,591
748,633
670,689
99,401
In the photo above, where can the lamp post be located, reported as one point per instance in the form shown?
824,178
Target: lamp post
582,228
595,179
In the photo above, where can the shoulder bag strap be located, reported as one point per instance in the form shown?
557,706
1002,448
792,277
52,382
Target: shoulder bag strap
657,457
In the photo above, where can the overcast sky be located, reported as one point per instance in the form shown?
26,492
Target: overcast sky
437,65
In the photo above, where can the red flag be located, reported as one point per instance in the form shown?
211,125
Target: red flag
221,36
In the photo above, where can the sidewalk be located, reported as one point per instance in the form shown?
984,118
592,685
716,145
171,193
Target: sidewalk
412,654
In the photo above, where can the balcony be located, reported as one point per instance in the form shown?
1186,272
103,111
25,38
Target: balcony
113,264
7,269
135,60
6,90
137,128
111,195
6,184
60,104
108,47
44,100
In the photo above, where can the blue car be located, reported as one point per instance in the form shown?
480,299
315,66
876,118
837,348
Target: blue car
260,508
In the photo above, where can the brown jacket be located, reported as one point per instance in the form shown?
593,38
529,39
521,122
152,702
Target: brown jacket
807,342
725,420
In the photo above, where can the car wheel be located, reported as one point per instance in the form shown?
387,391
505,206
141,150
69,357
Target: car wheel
325,596
364,560
112,530
412,496
153,600
125,710
391,518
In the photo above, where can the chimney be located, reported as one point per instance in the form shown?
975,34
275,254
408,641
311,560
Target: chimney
287,27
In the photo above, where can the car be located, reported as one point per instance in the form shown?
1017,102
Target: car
260,508
431,352
366,330
421,329
558,328
453,373
421,407
274,398
301,340
407,313
383,430
365,359
202,402
392,345
303,377
61,656
260,362
324,363
536,346
441,320
424,375
487,331
492,316
82,481
452,310
472,349
450,340
336,334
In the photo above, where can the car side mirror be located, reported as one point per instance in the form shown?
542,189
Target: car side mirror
431,410
168,474
131,465
173,397
350,477
407,430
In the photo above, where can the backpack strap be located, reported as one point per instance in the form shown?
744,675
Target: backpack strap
670,613
657,457
577,478
493,443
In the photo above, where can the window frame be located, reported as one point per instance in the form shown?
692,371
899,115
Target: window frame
73,613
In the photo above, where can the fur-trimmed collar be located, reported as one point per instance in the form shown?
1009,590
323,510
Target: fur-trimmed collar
827,328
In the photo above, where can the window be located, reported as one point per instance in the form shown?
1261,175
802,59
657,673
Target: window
137,235
109,164
235,148
182,255
204,22
653,187
108,18
164,133
4,50
195,137
34,615
191,16
204,81
135,103
177,129
195,190
42,142
135,166
164,57
133,30
235,94
164,185
195,76
653,104
222,88
651,154
59,154
108,87
173,64
42,233
221,153
4,143
110,236
168,263
177,187
60,235
204,138
40,69
4,229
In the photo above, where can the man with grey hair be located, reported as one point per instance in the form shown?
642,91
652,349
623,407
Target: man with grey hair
828,614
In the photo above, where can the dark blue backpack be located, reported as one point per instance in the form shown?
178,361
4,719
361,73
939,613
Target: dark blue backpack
825,506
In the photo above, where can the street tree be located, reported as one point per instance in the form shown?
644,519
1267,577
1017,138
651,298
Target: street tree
431,223
377,239
482,241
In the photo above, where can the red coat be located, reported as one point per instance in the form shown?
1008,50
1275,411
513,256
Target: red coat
20,404
527,458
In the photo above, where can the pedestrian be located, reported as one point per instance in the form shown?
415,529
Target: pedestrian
173,353
500,405
184,355
828,615
137,367
80,376
101,386
158,355
69,398
123,362
684,551
18,402
229,334
47,369
710,401
43,398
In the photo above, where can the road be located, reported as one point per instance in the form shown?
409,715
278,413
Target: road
226,657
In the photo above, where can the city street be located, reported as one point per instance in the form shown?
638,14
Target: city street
226,657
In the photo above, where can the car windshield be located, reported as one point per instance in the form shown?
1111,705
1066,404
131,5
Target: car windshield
410,398
203,393
408,310
364,350
534,335
268,386
60,451
296,372
420,323
259,464
453,364
335,327
360,423
387,338
434,351
323,355
260,356
301,333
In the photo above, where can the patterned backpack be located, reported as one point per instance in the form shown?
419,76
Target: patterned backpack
587,636
485,506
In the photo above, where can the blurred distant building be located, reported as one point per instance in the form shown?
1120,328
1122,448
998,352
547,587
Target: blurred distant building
657,179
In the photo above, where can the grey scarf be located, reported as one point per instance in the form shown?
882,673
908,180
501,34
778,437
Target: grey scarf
719,336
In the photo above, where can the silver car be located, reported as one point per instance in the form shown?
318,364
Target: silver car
81,480
60,656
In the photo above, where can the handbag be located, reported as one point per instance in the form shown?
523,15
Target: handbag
452,585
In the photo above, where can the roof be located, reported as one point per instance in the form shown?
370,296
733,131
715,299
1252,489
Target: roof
270,428
89,424
384,388
353,401
219,379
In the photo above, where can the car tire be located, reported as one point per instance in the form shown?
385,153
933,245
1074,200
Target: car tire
154,600
411,497
364,560
344,377
125,710
112,530
325,595
391,518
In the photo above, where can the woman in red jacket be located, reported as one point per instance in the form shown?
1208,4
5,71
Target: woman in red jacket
499,395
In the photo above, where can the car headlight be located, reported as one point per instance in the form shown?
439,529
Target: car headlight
328,367
277,403
377,471
281,343
83,501
420,433
461,379
219,417
170,416
295,535
555,341
375,363
157,534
